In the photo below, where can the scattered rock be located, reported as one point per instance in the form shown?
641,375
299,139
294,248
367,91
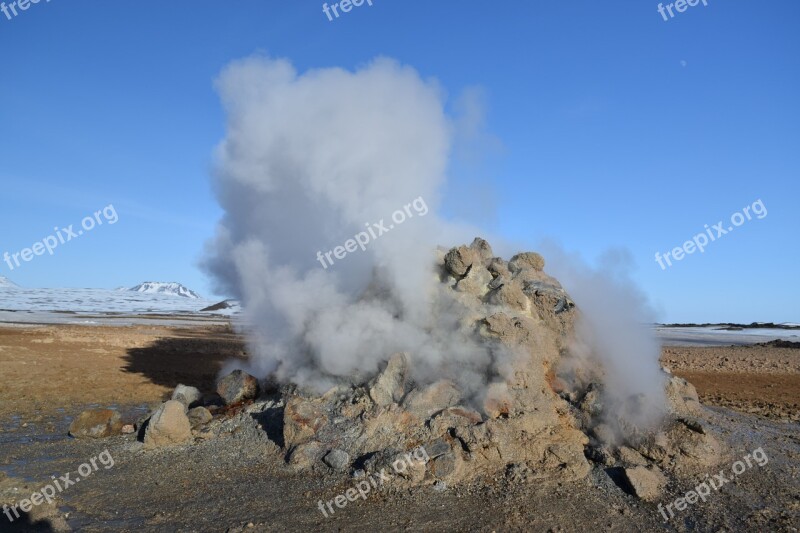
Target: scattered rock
168,425
238,386
199,416
646,484
186,395
96,424
339,460
128,429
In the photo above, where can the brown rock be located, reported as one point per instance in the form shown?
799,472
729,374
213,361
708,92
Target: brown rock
389,387
168,425
237,386
433,399
646,484
96,424
526,260
301,420
459,260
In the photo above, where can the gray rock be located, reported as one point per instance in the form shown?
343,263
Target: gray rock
444,465
238,386
186,395
339,460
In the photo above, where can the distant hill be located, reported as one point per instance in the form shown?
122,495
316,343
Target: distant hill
170,288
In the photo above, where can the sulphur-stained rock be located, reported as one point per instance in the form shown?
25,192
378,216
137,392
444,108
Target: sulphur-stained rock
302,419
432,399
526,260
645,483
390,386
238,386
169,425
96,424
186,395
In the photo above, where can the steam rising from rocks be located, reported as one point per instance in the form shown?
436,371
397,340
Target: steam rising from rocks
307,161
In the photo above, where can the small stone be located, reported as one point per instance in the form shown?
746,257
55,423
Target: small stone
337,459
238,386
96,424
199,416
645,483
127,429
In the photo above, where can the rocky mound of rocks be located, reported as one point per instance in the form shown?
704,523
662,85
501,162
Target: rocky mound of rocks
527,422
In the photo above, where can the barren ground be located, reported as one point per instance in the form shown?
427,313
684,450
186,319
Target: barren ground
50,373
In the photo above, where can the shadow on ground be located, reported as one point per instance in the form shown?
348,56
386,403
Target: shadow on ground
192,357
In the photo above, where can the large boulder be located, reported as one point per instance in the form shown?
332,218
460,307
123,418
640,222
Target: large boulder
96,424
238,386
169,425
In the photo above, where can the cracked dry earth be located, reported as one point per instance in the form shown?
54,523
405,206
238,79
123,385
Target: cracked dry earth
239,480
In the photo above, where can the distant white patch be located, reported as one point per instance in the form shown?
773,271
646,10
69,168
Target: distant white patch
169,289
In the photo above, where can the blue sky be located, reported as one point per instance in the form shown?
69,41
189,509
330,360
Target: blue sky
618,130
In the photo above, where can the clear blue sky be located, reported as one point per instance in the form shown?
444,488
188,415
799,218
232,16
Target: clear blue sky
618,130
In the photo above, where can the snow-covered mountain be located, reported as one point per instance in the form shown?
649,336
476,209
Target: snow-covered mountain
171,289
6,283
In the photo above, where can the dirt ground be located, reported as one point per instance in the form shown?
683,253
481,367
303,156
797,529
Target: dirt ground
240,483
759,379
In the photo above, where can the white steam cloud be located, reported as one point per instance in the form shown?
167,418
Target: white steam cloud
309,161
313,159
614,329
